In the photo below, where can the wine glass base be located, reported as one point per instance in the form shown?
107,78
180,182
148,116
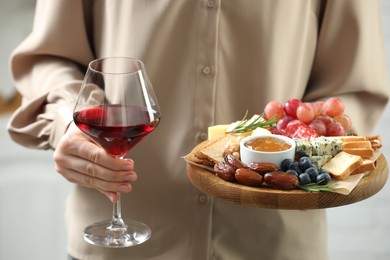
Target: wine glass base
104,235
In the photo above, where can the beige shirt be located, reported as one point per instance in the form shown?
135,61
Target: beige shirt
209,62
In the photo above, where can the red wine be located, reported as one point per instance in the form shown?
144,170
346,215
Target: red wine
117,128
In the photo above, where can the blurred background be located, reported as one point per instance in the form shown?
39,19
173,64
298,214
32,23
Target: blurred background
32,194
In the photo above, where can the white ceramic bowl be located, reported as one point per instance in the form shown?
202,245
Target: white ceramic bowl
248,155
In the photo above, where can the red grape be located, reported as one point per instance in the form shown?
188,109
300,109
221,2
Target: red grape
319,126
282,123
333,107
274,108
325,119
291,107
319,118
345,121
277,131
305,112
318,107
335,129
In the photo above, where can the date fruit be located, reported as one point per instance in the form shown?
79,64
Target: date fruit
281,180
224,171
248,177
262,168
233,161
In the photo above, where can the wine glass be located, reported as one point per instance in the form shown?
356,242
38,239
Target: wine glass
117,108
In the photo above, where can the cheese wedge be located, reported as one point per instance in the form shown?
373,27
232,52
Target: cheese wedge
216,130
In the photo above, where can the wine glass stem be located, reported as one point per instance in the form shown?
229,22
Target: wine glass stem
117,221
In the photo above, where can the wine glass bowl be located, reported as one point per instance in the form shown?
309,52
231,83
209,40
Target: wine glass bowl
116,108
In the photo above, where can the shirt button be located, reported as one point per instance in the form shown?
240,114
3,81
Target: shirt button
210,4
202,199
206,70
203,136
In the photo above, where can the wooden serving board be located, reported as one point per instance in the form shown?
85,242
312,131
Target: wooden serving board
263,197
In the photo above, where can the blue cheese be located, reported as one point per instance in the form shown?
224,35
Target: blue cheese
325,146
320,160
302,145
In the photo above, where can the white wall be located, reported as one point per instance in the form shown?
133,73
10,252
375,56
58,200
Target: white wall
32,194
32,198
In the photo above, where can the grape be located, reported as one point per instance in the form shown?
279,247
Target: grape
291,107
282,123
325,119
319,126
305,112
345,121
274,108
333,107
335,129
277,131
318,107
308,119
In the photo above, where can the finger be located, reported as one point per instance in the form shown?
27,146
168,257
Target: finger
98,155
71,158
90,182
65,163
97,171
78,144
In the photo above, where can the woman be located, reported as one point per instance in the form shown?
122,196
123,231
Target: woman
209,62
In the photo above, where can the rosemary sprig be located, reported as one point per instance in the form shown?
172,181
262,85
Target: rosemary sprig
314,187
246,125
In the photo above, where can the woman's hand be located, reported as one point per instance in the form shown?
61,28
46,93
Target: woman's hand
83,162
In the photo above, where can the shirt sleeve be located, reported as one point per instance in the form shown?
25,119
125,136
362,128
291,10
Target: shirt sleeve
48,68
350,61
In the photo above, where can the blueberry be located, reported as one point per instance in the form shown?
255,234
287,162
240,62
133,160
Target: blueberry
294,166
304,178
291,171
300,154
304,163
323,178
323,171
286,164
313,173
